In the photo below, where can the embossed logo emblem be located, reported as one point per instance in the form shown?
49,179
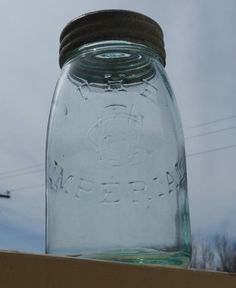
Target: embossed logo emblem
116,135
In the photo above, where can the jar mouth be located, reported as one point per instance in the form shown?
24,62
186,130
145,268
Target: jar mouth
113,55
111,24
111,62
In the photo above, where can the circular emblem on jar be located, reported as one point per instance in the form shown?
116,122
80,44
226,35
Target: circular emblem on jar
116,135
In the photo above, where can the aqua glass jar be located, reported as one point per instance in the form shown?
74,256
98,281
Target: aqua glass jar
116,182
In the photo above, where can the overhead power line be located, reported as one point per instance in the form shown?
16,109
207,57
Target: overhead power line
211,150
21,169
21,174
7,194
211,122
210,132
27,187
27,170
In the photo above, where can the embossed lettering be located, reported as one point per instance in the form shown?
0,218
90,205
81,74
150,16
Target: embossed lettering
60,182
82,89
84,186
180,171
115,85
149,91
139,188
170,181
111,193
138,192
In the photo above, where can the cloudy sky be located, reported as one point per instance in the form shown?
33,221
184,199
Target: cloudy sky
201,65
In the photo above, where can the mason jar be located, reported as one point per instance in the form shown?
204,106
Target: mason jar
116,183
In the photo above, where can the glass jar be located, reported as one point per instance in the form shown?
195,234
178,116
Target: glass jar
115,162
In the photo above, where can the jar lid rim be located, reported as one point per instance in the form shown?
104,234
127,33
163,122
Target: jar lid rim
113,24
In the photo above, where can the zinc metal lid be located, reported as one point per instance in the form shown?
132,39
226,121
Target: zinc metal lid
105,25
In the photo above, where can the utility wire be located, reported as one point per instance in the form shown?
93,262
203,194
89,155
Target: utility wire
7,193
13,173
211,150
188,155
211,132
21,169
21,174
26,187
211,122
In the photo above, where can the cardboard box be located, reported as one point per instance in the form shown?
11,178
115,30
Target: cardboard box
42,271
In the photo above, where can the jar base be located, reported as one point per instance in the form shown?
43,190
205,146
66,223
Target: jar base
141,256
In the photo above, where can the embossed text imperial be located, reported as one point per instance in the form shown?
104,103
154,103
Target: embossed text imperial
116,183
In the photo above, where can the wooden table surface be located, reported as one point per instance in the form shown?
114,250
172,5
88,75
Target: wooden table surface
34,271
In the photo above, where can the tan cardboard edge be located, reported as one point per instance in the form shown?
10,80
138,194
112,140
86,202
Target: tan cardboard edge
39,270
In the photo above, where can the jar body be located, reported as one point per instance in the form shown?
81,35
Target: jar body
115,164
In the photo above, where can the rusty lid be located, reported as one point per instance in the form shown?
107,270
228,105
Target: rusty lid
111,25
